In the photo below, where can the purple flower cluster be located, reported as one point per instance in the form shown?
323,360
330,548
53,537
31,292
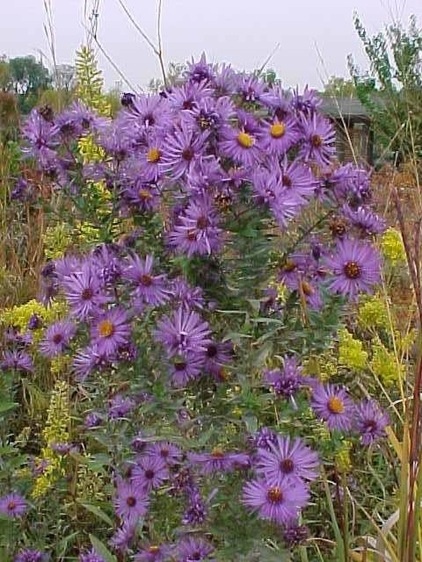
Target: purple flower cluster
283,469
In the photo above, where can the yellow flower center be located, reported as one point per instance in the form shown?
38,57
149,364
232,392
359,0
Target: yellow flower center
154,549
277,130
245,139
275,495
153,155
106,328
335,405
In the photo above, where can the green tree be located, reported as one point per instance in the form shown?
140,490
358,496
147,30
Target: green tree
339,87
28,78
392,87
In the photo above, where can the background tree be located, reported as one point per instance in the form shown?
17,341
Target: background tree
392,87
339,87
28,78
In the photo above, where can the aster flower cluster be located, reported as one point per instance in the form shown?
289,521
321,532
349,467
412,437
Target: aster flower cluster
183,166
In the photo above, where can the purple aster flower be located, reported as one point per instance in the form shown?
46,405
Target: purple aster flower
185,331
167,452
278,136
111,331
130,502
200,71
318,139
355,266
151,158
149,288
196,230
42,138
332,404
187,296
35,322
92,420
21,191
120,406
153,553
91,556
190,549
180,149
17,360
288,458
149,473
185,368
242,144
83,291
279,501
30,555
57,338
146,112
263,438
87,360
370,421
187,96
76,120
364,219
124,536
13,505
210,114
195,512
287,381
217,355
298,178
295,535
219,461
307,102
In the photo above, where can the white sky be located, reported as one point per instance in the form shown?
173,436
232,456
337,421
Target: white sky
242,32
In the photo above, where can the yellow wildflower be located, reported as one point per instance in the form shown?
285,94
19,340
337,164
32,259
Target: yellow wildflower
372,313
342,457
56,431
57,239
384,364
351,352
392,247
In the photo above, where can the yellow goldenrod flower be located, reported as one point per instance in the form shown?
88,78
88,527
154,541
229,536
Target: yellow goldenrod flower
372,313
342,457
384,364
351,352
56,431
392,247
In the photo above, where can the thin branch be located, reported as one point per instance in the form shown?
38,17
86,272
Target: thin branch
114,65
160,42
138,28
267,60
49,31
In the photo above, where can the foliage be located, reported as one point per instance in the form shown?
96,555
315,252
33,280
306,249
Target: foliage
392,88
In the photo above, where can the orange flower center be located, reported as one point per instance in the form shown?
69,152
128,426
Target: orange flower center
352,270
307,288
335,405
106,328
153,155
275,495
277,130
245,140
145,194
154,549
217,453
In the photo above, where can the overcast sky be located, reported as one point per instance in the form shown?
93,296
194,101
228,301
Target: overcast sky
242,32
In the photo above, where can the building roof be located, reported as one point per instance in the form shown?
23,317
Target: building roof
348,108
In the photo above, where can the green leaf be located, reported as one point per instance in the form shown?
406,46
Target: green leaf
97,512
102,550
7,406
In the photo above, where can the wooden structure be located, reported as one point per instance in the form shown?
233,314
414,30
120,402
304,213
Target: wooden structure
355,137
